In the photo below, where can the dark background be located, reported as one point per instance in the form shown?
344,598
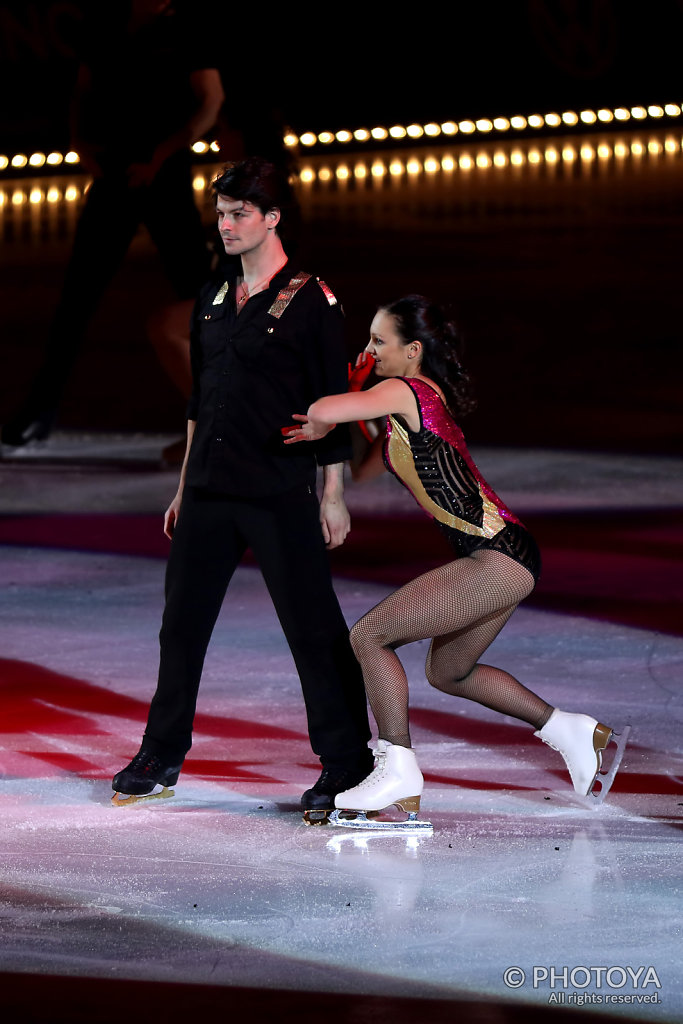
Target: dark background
567,289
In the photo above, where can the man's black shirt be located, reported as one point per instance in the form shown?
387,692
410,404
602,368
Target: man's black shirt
251,372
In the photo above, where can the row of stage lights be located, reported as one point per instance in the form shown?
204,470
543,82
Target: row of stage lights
552,155
483,126
397,133
465,161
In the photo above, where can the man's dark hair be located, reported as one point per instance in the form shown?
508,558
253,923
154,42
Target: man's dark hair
256,181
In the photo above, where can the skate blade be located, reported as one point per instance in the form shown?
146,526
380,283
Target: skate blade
604,779
360,820
126,800
316,817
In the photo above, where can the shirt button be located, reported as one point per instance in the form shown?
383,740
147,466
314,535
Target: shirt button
207,316
270,330
219,438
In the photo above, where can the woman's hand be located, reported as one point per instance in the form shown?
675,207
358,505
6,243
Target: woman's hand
361,371
308,429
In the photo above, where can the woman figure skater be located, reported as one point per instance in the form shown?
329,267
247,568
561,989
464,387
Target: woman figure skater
461,606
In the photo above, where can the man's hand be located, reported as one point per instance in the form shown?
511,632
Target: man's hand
334,519
171,516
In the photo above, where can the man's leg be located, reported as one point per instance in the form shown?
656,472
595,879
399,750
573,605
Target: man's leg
205,552
286,538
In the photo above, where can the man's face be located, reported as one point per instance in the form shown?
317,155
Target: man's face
242,226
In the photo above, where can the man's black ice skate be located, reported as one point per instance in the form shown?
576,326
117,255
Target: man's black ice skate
147,777
317,803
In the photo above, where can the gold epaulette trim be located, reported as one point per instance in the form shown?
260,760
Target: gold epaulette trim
220,294
328,293
287,293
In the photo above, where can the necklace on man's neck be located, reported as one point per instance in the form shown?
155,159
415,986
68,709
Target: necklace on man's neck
246,292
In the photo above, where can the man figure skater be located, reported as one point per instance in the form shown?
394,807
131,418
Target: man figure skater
266,341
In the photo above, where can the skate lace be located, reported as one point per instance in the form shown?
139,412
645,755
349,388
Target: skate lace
145,763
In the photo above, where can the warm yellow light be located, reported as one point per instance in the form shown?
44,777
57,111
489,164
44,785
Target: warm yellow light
639,113
589,116
415,131
53,195
413,166
18,198
432,129
570,117
501,124
343,136
448,163
71,157
378,169
534,156
671,146
36,195
655,111
3,198
361,135
466,163
360,171
215,147
37,159
431,165
536,121
4,163
484,125
518,122
500,159
326,138
397,131
379,133
342,172
467,127
672,109
395,167
308,139
291,139
71,194
483,160
516,158
587,153
307,175
325,174
604,151
622,114
655,147
605,115
568,153
19,160
620,150
449,128
199,183
200,147
553,120
551,155
637,148
54,159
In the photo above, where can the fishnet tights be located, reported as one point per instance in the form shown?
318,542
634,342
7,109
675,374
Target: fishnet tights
462,606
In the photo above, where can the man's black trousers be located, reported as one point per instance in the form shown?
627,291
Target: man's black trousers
211,535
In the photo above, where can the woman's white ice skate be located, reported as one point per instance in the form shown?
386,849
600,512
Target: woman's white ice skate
581,740
396,780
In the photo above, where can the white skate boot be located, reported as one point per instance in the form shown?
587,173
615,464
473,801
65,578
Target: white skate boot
396,780
581,740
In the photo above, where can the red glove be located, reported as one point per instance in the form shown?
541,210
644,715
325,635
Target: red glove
361,371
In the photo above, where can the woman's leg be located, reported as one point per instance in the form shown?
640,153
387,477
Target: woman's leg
480,591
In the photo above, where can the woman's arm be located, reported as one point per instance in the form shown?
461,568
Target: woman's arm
384,399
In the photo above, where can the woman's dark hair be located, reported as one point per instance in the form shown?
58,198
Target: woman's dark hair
419,319
256,181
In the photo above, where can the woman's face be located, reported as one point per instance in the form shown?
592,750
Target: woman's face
392,357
